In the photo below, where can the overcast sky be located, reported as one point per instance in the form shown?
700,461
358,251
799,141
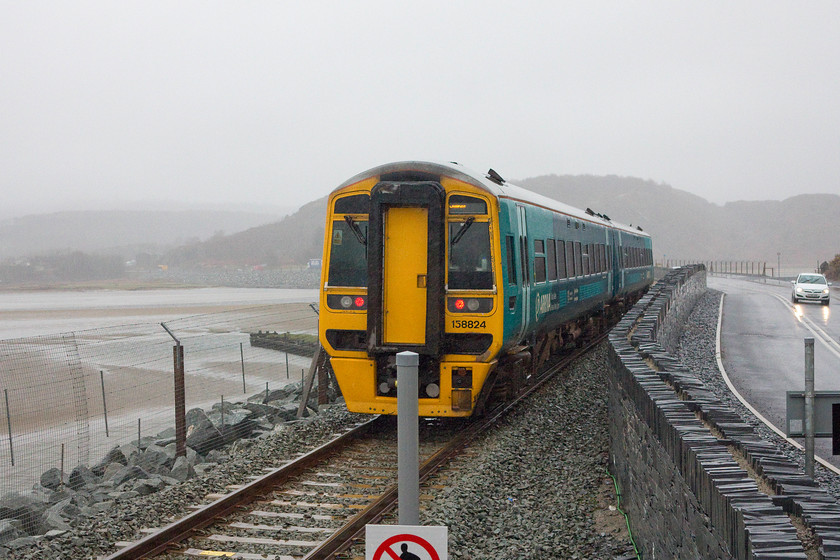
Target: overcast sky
266,104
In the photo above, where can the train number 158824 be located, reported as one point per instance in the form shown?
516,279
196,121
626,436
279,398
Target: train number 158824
456,324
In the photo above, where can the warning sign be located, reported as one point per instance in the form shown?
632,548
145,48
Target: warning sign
405,542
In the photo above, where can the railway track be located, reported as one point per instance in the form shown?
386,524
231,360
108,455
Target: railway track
317,506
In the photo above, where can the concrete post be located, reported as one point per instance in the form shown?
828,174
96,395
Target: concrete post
809,407
408,439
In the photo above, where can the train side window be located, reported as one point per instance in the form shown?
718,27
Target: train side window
578,259
570,260
604,264
511,259
584,259
609,257
539,260
561,259
551,259
596,252
539,268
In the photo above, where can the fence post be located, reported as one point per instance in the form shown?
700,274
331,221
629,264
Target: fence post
9,424
104,404
287,364
180,398
242,361
809,407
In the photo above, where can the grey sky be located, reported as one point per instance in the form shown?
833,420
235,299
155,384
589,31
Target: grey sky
275,103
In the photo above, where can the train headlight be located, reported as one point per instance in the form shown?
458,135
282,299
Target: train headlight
469,304
347,302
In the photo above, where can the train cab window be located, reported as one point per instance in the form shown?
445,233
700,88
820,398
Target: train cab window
470,265
348,253
551,259
462,204
561,259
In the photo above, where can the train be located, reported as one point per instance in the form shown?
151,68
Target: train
484,280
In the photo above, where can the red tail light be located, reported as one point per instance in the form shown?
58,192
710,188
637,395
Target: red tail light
360,302
459,304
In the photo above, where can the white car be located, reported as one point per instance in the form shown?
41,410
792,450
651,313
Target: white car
810,287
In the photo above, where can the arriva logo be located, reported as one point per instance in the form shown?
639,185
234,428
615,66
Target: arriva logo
544,304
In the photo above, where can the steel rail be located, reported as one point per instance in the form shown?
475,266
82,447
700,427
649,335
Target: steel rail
169,536
353,529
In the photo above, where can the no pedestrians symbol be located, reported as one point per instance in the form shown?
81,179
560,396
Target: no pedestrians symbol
405,542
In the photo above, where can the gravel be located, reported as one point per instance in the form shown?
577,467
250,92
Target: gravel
697,353
537,485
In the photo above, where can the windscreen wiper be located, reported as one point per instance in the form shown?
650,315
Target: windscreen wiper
355,229
464,227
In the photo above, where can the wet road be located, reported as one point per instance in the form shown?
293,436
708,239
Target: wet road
763,349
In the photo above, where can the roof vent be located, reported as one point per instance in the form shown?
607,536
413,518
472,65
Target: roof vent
495,177
590,211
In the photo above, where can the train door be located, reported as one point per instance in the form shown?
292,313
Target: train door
404,275
524,270
406,250
617,272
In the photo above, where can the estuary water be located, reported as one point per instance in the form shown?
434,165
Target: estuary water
44,312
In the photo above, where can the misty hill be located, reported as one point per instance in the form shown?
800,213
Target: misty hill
119,232
683,226
293,240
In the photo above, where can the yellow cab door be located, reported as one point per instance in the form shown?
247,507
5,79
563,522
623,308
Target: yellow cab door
405,256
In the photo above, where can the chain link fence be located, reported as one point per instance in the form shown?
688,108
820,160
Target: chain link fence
68,400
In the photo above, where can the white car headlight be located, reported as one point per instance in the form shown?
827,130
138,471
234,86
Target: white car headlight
799,289
825,292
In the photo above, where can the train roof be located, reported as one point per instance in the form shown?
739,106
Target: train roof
501,189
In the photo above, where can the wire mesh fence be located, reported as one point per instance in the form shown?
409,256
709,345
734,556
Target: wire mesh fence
69,400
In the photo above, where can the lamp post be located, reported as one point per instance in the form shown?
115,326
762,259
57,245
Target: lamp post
779,264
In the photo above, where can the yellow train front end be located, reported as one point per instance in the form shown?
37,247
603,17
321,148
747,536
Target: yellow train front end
411,263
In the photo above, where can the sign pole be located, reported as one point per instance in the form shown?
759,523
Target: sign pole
408,454
809,407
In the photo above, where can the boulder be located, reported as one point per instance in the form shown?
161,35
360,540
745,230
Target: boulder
153,460
82,477
182,469
129,473
113,456
27,509
10,530
52,479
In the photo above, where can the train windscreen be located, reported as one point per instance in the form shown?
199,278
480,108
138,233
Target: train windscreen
348,254
470,266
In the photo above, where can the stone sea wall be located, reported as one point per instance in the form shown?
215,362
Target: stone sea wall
695,479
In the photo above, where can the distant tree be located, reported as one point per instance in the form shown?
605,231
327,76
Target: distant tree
823,267
833,269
